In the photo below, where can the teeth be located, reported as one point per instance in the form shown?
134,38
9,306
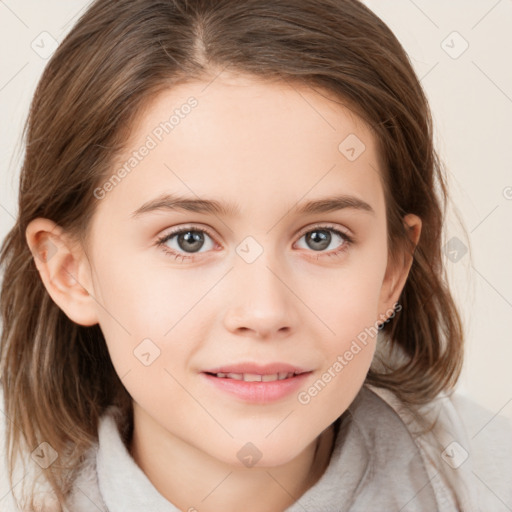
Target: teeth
253,377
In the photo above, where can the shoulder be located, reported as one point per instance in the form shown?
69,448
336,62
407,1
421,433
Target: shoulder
490,449
466,448
6,497
86,490
26,475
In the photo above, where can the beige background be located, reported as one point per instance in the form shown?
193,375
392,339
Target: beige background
461,51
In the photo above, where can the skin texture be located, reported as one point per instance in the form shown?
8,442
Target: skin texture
266,148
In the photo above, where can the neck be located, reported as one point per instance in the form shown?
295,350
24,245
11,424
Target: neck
192,480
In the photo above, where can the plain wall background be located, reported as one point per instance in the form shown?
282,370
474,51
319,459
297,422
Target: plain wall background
461,52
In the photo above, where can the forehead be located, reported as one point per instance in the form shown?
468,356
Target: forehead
251,142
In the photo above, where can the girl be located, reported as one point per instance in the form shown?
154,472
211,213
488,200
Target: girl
302,353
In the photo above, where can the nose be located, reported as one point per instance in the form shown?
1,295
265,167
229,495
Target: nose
261,305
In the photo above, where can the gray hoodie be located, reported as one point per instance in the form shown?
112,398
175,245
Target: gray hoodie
382,460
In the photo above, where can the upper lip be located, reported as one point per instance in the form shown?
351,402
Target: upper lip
257,369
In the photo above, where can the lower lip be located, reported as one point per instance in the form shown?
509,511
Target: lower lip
258,392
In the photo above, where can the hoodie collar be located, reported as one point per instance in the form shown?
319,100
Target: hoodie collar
374,465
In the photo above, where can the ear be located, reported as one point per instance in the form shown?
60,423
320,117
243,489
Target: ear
64,270
398,270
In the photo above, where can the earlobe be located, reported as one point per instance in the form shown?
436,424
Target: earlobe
64,270
398,271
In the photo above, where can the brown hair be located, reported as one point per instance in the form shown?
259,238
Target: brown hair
57,376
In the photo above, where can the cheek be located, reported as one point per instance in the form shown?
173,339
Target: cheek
347,351
142,310
132,293
350,308
350,301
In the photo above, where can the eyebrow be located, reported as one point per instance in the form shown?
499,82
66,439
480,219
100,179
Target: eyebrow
173,202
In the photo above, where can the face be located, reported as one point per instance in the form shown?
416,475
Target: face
282,273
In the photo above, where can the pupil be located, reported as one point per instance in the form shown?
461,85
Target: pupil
195,238
320,239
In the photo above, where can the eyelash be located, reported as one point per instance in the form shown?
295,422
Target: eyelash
347,241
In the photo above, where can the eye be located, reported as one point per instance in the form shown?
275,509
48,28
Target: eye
180,243
185,242
321,237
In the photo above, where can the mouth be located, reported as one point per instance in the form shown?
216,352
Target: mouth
255,377
255,383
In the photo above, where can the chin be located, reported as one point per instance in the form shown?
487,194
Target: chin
262,454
